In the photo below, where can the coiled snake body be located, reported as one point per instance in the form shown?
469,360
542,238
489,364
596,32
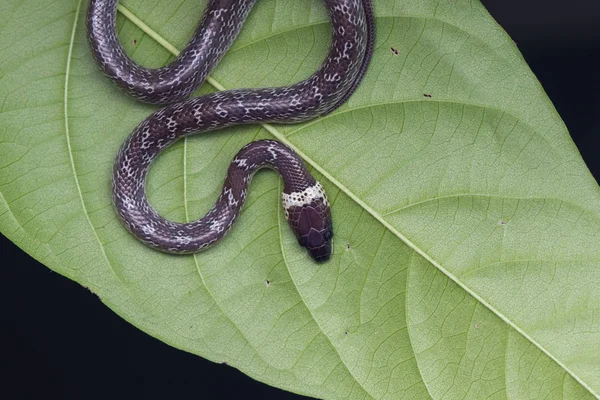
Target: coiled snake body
304,200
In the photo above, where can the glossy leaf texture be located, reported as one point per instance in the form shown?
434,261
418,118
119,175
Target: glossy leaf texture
466,259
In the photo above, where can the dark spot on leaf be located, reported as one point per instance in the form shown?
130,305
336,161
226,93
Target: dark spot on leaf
347,246
427,95
395,51
345,332
502,223
268,283
134,42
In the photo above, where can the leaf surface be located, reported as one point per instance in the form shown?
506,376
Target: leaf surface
466,260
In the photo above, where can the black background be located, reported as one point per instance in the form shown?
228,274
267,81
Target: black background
59,341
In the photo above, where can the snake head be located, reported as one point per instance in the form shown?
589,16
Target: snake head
309,216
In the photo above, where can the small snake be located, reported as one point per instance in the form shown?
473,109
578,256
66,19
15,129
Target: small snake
304,201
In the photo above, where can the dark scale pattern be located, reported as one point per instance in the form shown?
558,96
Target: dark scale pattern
309,215
220,25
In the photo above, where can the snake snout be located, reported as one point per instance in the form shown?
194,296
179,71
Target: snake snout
321,253
313,227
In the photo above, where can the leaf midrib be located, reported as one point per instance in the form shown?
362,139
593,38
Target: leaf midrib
281,137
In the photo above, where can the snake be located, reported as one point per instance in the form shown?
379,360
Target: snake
304,200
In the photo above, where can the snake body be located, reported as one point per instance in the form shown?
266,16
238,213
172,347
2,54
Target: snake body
304,200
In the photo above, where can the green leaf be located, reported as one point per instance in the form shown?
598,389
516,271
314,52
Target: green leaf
466,260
